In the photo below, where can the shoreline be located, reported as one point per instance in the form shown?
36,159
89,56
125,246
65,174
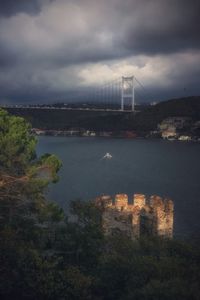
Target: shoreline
103,134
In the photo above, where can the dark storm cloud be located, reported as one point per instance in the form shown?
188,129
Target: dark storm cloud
46,44
135,27
163,27
12,7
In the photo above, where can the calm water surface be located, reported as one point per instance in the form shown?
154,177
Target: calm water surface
165,168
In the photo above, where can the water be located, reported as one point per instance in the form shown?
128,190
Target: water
159,167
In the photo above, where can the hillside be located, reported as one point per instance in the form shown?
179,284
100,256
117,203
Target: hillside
141,122
150,117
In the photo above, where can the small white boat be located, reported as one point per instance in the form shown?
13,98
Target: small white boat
107,156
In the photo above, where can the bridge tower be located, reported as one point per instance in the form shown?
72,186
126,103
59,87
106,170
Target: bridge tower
127,91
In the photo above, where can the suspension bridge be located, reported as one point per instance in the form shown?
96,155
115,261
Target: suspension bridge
122,94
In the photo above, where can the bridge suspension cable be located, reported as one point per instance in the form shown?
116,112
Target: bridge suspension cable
119,93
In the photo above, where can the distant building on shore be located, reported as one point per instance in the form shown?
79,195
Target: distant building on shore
170,127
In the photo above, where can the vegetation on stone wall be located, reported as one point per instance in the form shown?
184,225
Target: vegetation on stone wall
46,255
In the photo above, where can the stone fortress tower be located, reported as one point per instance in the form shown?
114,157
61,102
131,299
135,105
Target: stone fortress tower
153,216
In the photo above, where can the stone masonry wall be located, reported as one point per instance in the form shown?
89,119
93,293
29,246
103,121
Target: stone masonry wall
153,216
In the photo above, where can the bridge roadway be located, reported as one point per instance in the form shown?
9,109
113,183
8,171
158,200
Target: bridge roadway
68,108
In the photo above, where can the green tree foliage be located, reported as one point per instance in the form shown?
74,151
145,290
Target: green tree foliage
17,145
23,176
149,268
33,264
86,233
47,255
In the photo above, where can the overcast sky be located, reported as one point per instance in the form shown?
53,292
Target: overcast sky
50,47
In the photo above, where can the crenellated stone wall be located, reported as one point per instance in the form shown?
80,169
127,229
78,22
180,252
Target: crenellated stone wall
153,216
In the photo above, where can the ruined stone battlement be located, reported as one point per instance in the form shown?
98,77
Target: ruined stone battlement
137,217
